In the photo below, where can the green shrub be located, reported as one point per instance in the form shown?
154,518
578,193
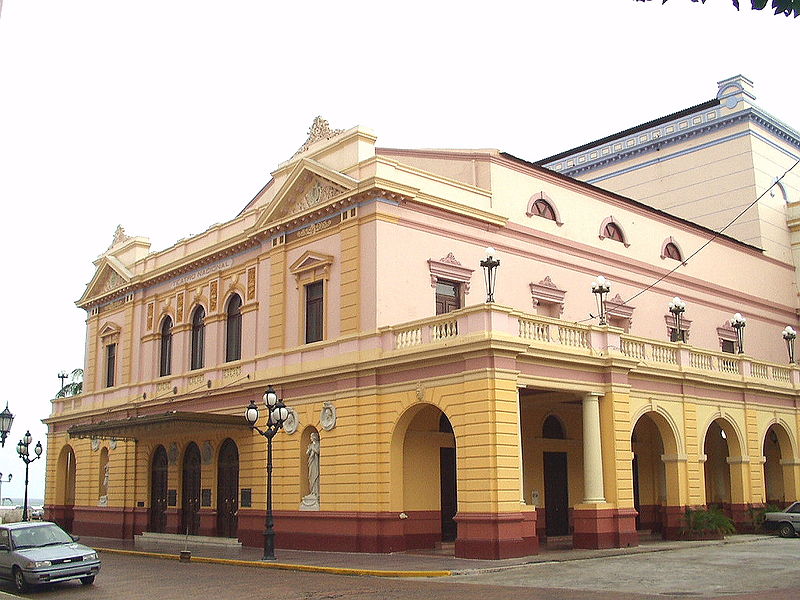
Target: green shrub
708,521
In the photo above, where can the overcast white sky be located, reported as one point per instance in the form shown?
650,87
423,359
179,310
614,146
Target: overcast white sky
167,117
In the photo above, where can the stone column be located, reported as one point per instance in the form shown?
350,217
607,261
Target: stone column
592,451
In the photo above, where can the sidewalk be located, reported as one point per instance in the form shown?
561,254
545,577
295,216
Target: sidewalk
400,564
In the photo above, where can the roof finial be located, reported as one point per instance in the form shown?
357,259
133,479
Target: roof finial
119,236
320,130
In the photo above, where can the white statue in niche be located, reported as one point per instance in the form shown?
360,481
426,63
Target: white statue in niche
103,500
311,501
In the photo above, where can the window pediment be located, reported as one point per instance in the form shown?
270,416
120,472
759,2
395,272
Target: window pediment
450,269
547,292
311,265
616,307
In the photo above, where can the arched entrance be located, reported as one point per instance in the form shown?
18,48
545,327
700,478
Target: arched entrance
556,480
158,491
778,478
424,465
649,474
63,513
190,505
228,489
723,479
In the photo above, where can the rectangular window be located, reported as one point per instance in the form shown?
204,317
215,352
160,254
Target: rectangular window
728,346
314,312
448,296
111,364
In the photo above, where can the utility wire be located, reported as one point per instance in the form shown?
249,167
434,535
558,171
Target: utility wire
707,242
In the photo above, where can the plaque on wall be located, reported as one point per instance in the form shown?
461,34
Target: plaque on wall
172,497
140,504
205,497
247,498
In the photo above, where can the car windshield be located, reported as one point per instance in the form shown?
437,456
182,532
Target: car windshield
42,535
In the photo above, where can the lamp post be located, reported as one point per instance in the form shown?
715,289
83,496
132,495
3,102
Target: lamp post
600,288
1,485
6,418
738,322
789,334
62,375
22,450
677,307
277,413
490,264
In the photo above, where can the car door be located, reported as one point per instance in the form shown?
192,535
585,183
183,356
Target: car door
793,513
5,554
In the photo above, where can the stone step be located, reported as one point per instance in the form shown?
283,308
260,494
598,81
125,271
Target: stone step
152,541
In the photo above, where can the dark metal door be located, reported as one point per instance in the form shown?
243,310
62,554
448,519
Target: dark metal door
228,490
556,494
447,470
636,500
158,491
190,513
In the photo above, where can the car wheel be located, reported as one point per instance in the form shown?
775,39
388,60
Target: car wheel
786,530
19,580
88,580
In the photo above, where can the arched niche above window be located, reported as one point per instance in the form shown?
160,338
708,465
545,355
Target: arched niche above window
671,249
541,205
553,429
547,297
611,229
449,269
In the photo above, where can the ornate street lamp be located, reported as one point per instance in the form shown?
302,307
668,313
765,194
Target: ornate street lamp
790,335
738,322
6,418
600,288
22,450
677,307
62,375
490,264
277,413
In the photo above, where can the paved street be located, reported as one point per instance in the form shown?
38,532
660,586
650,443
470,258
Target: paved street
765,568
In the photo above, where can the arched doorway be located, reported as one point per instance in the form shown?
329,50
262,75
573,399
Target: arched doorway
158,491
228,489
724,477
556,479
778,478
649,474
190,505
423,463
63,514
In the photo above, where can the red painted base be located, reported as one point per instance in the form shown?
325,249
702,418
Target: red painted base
495,536
604,528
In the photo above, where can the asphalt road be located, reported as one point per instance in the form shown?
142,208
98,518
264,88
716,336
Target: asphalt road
763,569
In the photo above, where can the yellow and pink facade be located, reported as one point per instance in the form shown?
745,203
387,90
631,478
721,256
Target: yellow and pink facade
496,425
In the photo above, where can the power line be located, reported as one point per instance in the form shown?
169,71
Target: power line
707,242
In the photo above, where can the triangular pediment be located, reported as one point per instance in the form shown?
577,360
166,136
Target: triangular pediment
110,275
309,186
310,260
108,329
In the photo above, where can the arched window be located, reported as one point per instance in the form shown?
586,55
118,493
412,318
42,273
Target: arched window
542,208
198,338
233,331
612,231
672,251
166,347
552,428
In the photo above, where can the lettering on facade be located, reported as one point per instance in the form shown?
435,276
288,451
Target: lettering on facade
200,273
314,229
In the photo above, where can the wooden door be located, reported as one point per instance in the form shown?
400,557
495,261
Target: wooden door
447,471
556,494
158,491
228,490
190,506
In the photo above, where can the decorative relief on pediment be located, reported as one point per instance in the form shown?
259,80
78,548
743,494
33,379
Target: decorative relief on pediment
320,130
546,292
317,193
108,280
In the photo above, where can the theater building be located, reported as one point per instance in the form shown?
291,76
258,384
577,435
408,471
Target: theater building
422,413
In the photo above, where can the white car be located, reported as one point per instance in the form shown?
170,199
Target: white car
786,523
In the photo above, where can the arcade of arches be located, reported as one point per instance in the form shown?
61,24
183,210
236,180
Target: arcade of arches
584,468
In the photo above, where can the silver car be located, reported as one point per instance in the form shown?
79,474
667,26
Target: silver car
786,523
42,552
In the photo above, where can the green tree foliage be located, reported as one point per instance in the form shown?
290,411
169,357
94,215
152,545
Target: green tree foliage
75,385
785,7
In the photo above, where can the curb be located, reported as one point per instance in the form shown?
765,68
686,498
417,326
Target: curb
283,566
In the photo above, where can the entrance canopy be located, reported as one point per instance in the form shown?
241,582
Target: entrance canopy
131,428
